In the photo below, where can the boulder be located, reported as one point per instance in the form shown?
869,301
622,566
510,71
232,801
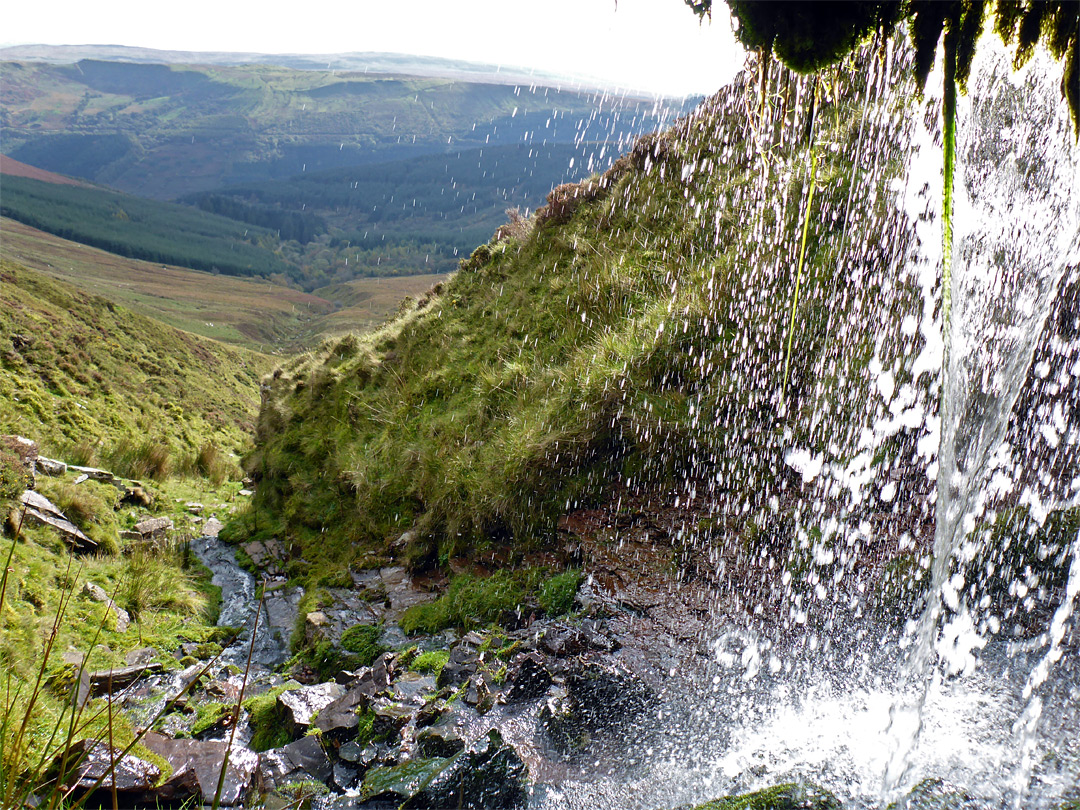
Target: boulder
212,527
390,720
93,765
489,773
337,720
154,529
562,642
205,759
40,510
439,741
50,466
94,474
459,667
108,681
303,704
301,760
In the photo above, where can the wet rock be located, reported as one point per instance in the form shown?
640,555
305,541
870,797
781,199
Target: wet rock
397,783
478,693
91,765
95,593
604,693
781,797
107,681
338,720
563,642
487,774
439,741
303,704
937,794
411,687
390,720
528,678
205,758
459,667
564,726
350,752
40,510
430,713
345,776
300,760
50,466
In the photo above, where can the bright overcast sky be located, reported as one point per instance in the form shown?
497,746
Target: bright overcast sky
655,45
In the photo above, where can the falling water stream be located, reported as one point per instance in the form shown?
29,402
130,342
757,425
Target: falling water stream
857,705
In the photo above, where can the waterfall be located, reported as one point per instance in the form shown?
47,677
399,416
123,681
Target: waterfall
1017,233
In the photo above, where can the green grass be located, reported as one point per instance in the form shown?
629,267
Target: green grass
92,381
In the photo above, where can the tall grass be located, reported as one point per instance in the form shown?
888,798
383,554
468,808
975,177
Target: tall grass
148,458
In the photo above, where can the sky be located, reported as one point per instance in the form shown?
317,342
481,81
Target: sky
653,45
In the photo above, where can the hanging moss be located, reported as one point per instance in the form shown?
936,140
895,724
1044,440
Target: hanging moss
808,35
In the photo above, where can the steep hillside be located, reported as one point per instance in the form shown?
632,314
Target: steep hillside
91,380
632,337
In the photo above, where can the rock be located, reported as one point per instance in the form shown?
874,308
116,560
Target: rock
528,678
42,511
137,496
562,642
245,493
396,783
410,687
459,667
94,474
304,703
390,720
560,720
107,681
89,765
212,527
478,693
345,776
937,794
50,466
439,741
791,797
338,719
205,759
314,627
140,656
303,759
487,774
97,594
194,507
350,752
154,529
605,693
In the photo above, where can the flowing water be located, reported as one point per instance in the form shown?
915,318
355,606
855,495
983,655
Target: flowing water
983,697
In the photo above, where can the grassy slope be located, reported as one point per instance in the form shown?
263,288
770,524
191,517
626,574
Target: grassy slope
244,312
635,336
75,369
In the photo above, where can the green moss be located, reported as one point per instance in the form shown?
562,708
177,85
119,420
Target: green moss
472,602
363,641
269,723
781,797
432,661
557,594
208,715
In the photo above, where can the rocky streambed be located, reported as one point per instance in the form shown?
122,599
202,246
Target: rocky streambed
476,719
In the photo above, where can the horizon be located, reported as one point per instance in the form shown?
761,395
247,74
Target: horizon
596,42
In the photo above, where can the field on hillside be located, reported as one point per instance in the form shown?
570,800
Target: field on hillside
243,312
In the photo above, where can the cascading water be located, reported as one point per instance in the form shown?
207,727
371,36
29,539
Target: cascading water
817,686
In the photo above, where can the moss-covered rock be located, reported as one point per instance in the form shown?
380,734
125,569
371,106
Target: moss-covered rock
781,797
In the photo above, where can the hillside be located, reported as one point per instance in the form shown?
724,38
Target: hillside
139,228
87,378
595,350
167,130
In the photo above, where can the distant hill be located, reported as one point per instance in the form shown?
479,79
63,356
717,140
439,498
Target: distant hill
16,169
165,130
359,62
